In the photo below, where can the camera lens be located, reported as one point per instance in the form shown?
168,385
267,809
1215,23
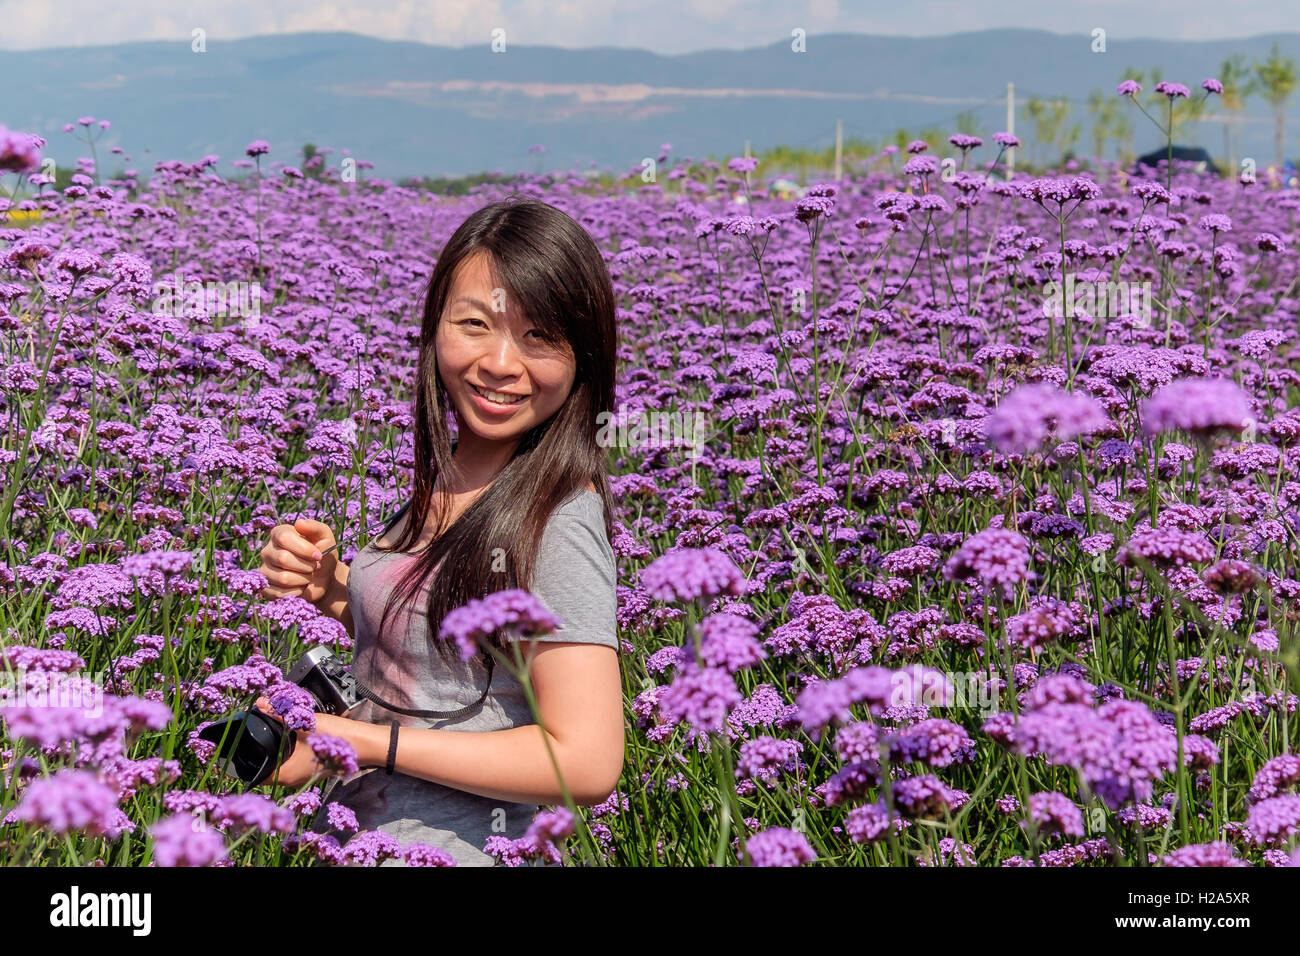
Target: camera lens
252,744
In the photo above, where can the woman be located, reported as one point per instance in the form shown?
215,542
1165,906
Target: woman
518,341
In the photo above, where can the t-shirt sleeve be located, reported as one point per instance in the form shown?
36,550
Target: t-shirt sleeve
575,578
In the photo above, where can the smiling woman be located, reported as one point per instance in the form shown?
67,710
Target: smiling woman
517,345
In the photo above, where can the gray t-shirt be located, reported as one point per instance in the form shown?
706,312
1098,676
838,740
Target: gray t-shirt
574,577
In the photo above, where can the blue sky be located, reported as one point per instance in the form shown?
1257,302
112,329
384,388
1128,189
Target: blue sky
664,26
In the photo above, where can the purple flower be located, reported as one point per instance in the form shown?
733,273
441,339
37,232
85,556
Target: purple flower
258,147
335,754
1172,90
1054,812
303,803
1047,619
341,817
1278,774
1200,406
185,840
1218,853
1267,242
1274,820
702,697
79,262
729,641
922,797
538,843
294,704
1006,140
1129,88
1119,748
778,846
72,801
998,557
371,848
1212,85
936,741
689,574
1230,576
1150,191
243,812
812,207
422,854
512,609
867,824
166,563
910,561
19,152
921,166
766,758
1024,419
547,833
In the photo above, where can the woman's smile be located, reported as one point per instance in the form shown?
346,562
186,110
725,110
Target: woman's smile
498,398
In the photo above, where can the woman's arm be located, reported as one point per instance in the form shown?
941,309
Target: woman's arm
580,698
334,603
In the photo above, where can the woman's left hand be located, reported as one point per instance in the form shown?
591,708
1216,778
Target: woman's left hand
302,766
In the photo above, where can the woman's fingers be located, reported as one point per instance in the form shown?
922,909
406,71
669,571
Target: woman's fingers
286,560
291,580
318,535
287,538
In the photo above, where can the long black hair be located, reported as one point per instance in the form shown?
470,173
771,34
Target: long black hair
549,265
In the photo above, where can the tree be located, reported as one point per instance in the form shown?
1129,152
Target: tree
1106,115
968,122
308,151
1275,79
1049,122
1237,85
1036,110
1125,130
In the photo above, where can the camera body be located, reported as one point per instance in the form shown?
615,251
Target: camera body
251,744
330,684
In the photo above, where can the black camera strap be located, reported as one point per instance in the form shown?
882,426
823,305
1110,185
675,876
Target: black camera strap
368,694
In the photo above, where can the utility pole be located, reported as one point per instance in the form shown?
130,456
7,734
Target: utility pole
1011,128
746,149
839,150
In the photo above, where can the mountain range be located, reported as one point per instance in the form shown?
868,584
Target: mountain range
418,109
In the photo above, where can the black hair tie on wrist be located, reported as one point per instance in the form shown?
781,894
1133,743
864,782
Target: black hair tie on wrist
392,750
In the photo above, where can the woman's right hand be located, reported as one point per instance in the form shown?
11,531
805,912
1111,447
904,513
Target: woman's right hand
295,561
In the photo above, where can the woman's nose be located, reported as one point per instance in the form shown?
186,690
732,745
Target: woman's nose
502,358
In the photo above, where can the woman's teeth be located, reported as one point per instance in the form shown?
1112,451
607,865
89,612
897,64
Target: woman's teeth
499,398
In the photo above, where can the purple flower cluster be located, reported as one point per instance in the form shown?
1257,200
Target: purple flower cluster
997,557
514,610
691,574
1025,418
1199,406
779,846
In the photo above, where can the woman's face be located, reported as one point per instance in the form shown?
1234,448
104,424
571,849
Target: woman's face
502,376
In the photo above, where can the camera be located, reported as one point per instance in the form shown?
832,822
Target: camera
251,744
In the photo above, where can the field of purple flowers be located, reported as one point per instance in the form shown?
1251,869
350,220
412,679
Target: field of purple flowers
951,577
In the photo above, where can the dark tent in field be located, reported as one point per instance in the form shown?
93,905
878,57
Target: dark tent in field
1185,154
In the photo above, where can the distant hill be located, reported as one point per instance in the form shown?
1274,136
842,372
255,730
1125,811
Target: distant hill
416,109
